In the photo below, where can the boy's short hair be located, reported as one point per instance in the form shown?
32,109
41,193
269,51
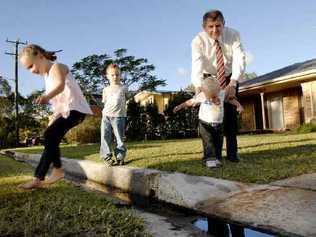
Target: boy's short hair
114,66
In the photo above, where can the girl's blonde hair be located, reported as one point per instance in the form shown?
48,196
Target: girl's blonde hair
34,50
112,65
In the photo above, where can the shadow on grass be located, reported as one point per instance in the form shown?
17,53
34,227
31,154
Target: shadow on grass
277,142
168,154
257,167
142,146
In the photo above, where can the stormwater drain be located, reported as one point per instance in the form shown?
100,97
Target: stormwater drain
180,219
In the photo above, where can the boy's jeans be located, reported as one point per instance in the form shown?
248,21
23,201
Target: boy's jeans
110,125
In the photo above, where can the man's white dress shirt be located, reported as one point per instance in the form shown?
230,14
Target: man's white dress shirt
204,55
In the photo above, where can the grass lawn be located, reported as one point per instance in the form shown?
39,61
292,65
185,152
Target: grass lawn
61,210
264,158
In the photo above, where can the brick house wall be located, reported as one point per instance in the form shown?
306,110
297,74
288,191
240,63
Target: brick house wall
247,117
309,100
291,108
291,104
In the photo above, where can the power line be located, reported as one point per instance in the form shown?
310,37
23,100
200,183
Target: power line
16,92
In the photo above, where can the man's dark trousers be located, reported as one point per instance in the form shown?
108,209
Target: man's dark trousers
231,128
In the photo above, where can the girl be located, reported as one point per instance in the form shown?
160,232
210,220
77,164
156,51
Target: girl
68,104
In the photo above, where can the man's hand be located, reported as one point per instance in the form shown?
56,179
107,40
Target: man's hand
230,91
43,99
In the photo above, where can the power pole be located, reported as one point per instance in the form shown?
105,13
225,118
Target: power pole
16,92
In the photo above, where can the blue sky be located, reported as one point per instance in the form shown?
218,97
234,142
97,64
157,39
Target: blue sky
274,33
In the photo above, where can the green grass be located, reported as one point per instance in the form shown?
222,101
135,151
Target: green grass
61,210
264,158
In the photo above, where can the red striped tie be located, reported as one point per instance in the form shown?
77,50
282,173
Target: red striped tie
220,65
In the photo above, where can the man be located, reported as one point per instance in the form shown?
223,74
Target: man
217,52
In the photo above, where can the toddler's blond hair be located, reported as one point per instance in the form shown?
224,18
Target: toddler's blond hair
210,86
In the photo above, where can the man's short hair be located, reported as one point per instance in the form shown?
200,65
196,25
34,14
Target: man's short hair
213,15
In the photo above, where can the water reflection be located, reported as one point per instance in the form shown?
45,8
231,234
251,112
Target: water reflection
219,229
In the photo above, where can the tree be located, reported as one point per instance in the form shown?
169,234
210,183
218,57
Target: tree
7,120
249,75
136,72
40,112
6,98
5,88
190,88
32,118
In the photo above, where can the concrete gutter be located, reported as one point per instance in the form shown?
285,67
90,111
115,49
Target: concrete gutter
286,211
304,181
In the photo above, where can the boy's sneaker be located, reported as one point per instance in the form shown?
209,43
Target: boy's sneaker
120,159
212,163
108,161
120,162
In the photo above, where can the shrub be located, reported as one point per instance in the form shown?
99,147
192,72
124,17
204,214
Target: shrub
307,127
86,132
184,123
136,121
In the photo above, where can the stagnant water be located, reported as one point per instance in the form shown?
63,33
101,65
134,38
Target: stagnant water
202,223
178,217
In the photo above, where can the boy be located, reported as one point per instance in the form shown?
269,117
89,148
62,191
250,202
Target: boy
211,113
113,117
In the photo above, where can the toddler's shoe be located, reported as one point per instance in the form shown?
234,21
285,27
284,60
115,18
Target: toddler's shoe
218,163
212,163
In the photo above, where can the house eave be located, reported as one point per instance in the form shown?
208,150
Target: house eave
289,79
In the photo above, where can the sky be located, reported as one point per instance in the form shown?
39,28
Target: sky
274,34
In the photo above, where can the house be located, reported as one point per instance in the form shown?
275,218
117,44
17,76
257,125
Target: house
161,98
282,99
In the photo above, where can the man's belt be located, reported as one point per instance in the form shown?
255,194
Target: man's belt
206,75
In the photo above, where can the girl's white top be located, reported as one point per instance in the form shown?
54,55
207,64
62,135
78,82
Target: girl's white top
71,98
210,112
114,99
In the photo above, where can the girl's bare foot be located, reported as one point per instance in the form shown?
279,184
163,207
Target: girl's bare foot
56,175
35,183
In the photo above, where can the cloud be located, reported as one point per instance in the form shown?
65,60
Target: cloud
249,57
183,72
